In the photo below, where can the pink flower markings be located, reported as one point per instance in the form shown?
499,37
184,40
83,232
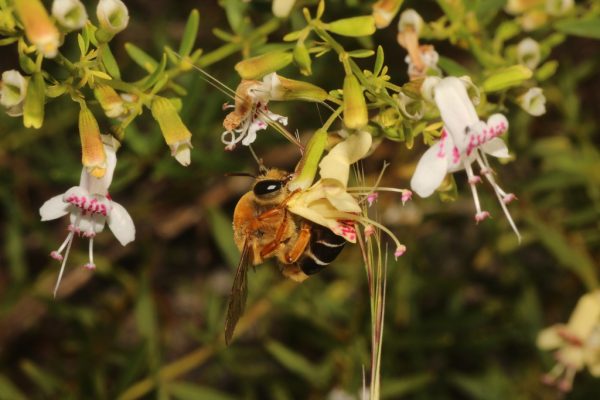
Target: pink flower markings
89,207
465,139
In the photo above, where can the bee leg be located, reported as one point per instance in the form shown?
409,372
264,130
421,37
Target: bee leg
274,244
300,245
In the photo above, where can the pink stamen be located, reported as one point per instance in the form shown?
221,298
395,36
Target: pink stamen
90,266
475,179
400,251
56,255
406,196
369,231
372,197
480,216
509,198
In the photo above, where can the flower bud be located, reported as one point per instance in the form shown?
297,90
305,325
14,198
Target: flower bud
355,106
176,134
13,91
302,58
306,170
259,66
33,108
109,99
70,14
282,8
558,8
528,53
39,29
506,78
113,15
384,12
354,27
290,89
533,102
93,156
410,19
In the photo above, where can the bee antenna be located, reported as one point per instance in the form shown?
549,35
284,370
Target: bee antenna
261,166
248,174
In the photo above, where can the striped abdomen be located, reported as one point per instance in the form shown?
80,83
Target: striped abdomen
323,248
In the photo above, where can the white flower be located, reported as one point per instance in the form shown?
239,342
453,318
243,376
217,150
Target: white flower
465,139
529,53
13,91
410,19
251,113
112,15
89,207
282,8
576,344
71,14
329,202
533,101
427,65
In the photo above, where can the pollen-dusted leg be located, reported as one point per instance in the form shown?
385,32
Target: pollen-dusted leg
274,244
300,245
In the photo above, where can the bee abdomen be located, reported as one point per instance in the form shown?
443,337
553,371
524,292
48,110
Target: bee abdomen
323,248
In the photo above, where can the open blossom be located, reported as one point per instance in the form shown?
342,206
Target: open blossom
576,344
422,59
70,14
329,202
13,92
251,113
465,140
113,15
89,207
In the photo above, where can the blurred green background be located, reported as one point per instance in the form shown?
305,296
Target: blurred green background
464,304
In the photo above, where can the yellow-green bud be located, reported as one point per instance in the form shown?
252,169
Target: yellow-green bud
302,58
384,12
259,66
176,134
93,156
33,109
354,27
290,89
39,29
109,99
355,106
306,170
506,78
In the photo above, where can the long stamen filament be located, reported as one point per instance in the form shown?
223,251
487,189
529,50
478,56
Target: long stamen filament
62,267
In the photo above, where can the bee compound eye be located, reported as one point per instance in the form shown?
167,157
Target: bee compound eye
267,187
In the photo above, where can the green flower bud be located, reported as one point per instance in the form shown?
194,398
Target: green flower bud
355,106
354,27
33,109
290,89
176,134
259,66
39,29
306,170
93,156
506,78
302,58
109,99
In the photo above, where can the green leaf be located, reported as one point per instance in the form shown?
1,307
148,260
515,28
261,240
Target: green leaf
140,57
109,62
222,233
589,27
190,33
397,388
363,53
451,67
297,363
154,77
44,380
506,78
8,391
189,391
379,60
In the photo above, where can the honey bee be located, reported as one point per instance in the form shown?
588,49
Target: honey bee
264,228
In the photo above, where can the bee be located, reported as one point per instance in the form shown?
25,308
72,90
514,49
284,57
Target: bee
264,228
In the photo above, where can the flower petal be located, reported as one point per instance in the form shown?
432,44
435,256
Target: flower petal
121,224
54,208
430,171
549,339
456,109
336,164
496,147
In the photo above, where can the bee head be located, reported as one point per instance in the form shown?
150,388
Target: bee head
271,188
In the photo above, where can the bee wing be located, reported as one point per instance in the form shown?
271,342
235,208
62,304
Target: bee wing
239,293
